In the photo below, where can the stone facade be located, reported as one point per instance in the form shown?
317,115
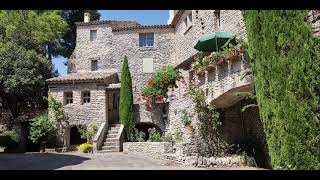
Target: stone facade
152,149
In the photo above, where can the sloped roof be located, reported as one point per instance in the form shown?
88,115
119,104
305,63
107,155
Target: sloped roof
106,76
161,26
112,22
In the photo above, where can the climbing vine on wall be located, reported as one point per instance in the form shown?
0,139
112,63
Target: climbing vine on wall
286,68
209,122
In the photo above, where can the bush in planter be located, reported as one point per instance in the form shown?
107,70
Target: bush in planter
167,138
86,147
137,136
88,132
41,129
9,139
154,135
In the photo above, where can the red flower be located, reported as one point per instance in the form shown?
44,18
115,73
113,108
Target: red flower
152,82
158,97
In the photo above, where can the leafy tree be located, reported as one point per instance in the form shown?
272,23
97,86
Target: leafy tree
286,66
24,39
126,99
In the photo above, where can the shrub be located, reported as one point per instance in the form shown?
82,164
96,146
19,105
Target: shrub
285,59
154,135
248,160
186,117
137,136
41,128
9,139
86,147
88,132
126,99
178,135
167,138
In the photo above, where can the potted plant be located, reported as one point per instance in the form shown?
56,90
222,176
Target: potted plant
200,71
221,60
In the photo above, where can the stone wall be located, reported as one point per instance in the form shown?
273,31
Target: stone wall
204,21
78,113
152,149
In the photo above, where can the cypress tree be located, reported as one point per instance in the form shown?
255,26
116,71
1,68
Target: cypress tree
286,67
126,99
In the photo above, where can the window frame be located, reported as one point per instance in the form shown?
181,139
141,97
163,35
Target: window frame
94,65
68,99
96,34
85,97
146,40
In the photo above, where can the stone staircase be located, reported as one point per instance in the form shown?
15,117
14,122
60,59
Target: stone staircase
111,142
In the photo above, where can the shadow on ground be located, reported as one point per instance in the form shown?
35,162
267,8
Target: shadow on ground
38,161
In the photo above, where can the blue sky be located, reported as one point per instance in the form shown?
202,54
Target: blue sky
144,17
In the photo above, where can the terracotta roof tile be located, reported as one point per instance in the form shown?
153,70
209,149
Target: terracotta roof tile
105,22
162,26
88,76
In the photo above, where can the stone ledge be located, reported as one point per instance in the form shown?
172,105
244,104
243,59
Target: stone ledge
153,149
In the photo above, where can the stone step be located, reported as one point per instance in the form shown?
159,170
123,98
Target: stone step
106,151
109,148
115,125
110,143
111,136
113,131
111,140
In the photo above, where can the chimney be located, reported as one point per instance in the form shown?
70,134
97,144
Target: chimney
86,17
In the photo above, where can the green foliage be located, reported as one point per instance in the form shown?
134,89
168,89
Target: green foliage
178,135
126,99
209,123
286,66
186,117
158,86
86,147
56,112
88,132
154,135
167,138
24,67
137,136
248,160
9,139
41,128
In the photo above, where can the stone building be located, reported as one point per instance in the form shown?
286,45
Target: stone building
90,91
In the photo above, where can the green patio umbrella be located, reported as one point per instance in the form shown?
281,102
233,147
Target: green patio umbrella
213,41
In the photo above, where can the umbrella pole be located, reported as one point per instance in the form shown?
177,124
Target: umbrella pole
217,45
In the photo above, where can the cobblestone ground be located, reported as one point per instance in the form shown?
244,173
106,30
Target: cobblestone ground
80,161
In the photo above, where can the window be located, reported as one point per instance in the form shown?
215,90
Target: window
146,40
93,35
85,97
68,98
217,17
147,65
94,65
188,21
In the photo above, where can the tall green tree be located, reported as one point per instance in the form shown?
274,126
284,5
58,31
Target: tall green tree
126,99
24,65
286,66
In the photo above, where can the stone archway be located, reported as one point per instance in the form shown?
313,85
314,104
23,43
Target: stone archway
75,138
144,126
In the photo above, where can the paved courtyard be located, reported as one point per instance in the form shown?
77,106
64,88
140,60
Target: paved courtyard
80,161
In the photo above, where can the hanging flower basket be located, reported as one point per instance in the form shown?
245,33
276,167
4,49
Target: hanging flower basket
210,67
222,62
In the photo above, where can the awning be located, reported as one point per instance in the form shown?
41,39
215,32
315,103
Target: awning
214,41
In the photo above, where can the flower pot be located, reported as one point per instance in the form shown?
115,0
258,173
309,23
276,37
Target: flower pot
222,62
233,56
200,72
189,129
210,67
